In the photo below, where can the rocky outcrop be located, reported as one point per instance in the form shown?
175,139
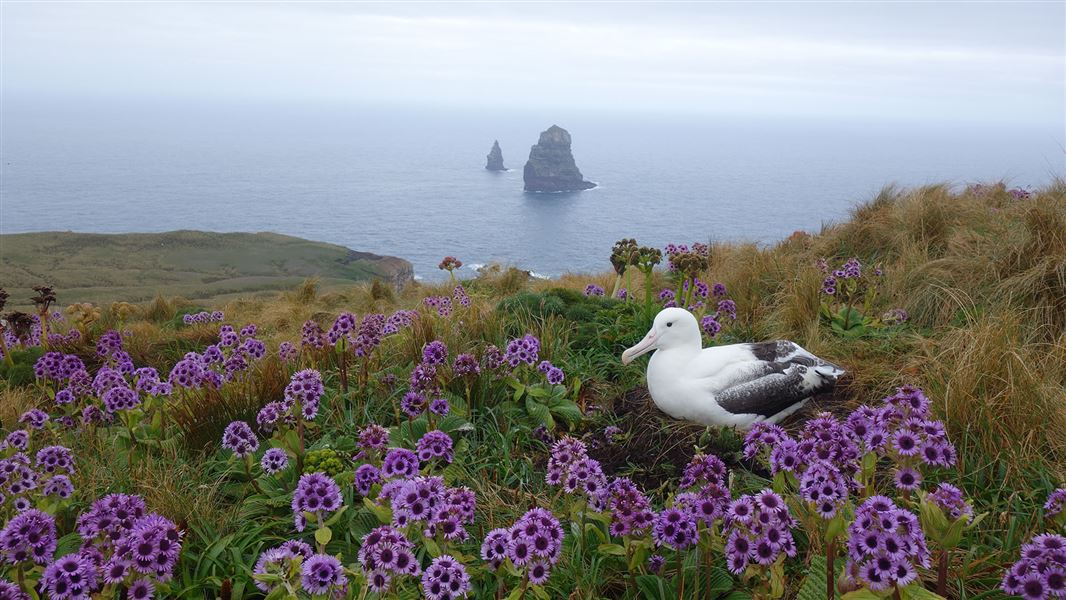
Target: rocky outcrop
494,160
551,166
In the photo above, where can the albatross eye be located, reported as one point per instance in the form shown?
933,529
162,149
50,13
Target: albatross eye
670,324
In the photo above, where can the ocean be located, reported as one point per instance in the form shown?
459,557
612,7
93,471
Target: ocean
410,182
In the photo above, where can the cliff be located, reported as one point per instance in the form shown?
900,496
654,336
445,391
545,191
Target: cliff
551,166
494,161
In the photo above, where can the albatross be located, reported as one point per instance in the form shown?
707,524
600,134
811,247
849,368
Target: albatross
734,385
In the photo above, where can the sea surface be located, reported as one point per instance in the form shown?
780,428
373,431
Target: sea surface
411,182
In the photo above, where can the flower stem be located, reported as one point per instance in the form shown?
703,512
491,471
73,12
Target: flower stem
830,558
942,574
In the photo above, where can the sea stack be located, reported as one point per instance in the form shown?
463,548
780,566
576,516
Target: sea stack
495,158
551,166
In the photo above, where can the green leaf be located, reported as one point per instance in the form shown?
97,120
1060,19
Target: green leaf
323,535
916,591
540,413
336,516
813,586
383,513
567,411
861,594
654,587
612,549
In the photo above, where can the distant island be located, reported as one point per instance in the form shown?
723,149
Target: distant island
90,267
551,166
494,161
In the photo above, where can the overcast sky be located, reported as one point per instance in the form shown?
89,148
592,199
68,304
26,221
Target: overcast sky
984,62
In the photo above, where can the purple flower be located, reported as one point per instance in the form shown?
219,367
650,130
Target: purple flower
28,536
35,418
758,529
142,589
655,563
824,487
55,458
373,437
70,577
907,479
1056,503
445,579
110,518
119,398
287,351
554,375
18,439
10,591
950,500
1040,573
727,308
524,350
439,407
305,387
704,469
400,462
342,327
593,290
311,336
60,486
435,353
385,553
710,326
675,529
435,444
884,545
239,439
151,547
274,461
365,478
494,547
321,574
465,365
316,493
413,404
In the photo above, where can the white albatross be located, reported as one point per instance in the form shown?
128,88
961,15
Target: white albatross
735,385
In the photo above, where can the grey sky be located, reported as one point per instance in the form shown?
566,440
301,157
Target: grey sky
984,62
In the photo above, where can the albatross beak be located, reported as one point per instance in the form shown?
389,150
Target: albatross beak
646,345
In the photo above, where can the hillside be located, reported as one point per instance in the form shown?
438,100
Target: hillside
193,264
253,431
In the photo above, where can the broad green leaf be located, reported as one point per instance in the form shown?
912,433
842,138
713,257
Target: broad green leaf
323,535
612,549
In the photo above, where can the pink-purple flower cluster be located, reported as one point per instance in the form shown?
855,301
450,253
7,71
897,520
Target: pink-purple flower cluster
30,536
631,512
1040,573
322,574
950,501
316,493
274,461
594,290
427,502
759,531
435,445
203,317
386,554
825,488
885,545
240,439
570,466
278,561
445,579
523,350
1056,504
534,544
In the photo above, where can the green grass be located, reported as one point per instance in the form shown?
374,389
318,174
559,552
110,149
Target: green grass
983,276
198,265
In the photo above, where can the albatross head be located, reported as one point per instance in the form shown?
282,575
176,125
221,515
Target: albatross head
673,328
